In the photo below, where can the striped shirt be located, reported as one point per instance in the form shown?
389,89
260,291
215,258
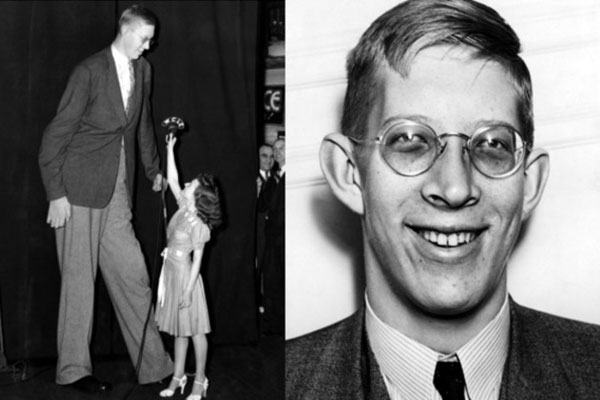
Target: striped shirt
408,366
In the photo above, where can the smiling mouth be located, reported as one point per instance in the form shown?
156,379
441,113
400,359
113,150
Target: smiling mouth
449,239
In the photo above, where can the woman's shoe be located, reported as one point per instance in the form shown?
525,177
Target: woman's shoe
204,390
180,384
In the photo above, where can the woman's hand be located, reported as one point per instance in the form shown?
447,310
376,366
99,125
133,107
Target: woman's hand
186,299
171,139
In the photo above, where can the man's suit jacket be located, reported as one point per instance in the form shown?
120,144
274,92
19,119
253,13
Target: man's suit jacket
272,201
549,358
260,183
79,154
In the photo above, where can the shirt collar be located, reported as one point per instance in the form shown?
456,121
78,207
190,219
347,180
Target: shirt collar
121,59
408,366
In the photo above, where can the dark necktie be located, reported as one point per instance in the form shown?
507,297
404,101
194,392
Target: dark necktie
449,380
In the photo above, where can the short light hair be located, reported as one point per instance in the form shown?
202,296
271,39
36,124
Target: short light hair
137,12
397,36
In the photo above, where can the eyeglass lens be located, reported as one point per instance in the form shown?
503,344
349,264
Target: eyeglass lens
411,149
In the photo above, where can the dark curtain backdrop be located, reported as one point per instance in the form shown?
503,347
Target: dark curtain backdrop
205,71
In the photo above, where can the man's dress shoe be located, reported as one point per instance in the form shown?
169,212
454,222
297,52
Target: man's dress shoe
90,384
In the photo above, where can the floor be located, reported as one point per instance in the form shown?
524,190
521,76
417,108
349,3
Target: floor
235,372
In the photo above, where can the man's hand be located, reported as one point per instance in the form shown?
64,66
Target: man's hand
158,183
59,212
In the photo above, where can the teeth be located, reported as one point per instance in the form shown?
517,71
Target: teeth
442,239
448,240
453,240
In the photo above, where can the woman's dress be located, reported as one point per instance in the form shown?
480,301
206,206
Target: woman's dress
185,233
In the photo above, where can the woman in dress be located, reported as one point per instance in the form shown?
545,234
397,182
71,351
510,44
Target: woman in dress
181,308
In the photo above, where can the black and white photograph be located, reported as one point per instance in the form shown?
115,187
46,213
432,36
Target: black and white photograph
300,199
140,257
444,182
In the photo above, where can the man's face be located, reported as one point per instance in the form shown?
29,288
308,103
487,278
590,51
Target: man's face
137,38
265,158
407,219
279,151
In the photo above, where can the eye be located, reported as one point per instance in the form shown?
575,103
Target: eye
496,139
408,140
493,143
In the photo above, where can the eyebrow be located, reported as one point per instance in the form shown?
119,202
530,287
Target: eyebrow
422,119
425,120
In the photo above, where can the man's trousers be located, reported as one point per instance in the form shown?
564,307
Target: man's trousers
105,238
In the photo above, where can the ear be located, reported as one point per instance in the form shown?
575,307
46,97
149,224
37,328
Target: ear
537,168
341,171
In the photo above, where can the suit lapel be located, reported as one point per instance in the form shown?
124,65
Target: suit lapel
114,90
533,369
360,378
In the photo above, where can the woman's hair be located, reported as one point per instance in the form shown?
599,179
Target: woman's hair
208,202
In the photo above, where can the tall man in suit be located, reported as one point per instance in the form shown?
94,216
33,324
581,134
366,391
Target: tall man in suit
87,162
272,202
436,155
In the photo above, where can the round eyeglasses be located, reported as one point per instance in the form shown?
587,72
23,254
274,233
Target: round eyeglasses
411,148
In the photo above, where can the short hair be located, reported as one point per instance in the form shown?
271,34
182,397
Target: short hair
137,12
398,35
208,202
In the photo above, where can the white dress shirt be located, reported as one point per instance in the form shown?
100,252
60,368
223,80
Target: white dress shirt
408,366
125,83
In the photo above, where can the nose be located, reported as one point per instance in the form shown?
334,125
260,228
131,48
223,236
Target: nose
450,180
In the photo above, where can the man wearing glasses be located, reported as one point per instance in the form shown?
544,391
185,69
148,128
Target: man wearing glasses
441,166
87,160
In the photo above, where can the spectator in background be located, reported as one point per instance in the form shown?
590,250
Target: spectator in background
265,164
272,202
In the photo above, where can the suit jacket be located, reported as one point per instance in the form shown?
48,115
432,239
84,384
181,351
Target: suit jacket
80,149
549,358
260,183
271,201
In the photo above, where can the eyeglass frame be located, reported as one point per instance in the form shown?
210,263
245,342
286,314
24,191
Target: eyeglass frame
442,146
151,42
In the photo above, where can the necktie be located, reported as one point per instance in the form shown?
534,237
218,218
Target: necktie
449,380
131,86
